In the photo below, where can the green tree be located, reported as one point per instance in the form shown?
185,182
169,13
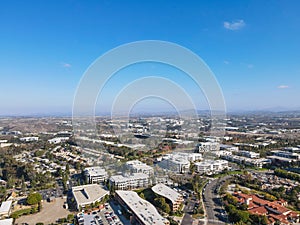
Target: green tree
23,185
10,182
33,198
68,169
70,217
160,202
257,219
142,195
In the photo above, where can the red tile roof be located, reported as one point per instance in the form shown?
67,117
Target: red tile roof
260,206
252,205
279,208
259,201
259,210
281,218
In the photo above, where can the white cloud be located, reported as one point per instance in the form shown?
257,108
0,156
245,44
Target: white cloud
66,65
234,25
283,86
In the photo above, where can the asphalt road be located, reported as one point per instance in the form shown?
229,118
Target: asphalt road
212,203
188,210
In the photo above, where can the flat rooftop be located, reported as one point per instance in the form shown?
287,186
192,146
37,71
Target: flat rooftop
280,158
166,191
5,207
126,178
6,221
138,164
142,209
85,194
211,162
95,171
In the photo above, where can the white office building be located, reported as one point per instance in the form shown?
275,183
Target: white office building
229,148
211,166
88,194
247,161
221,153
58,140
174,198
5,209
29,139
130,181
292,149
284,156
248,154
7,221
136,166
95,174
208,146
143,212
175,163
179,162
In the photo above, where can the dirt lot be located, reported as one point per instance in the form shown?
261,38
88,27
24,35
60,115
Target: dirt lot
49,214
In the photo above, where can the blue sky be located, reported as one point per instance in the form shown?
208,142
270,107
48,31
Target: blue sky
253,48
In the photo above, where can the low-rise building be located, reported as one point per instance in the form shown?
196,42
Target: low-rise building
29,139
284,156
3,144
247,161
173,198
179,162
58,140
211,166
7,221
229,148
248,154
221,153
208,146
136,166
143,212
274,210
95,174
129,181
88,194
5,209
292,149
175,163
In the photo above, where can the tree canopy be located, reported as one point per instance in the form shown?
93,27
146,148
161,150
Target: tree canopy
34,198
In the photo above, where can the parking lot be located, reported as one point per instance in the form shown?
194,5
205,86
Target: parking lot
51,193
110,215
